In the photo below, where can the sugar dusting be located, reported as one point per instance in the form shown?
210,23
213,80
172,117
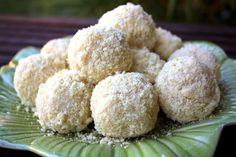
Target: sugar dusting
28,109
164,127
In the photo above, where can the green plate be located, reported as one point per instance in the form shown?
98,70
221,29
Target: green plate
19,129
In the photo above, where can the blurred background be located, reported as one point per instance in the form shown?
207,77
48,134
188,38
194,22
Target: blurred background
191,11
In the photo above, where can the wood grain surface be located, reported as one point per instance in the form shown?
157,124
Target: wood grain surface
17,32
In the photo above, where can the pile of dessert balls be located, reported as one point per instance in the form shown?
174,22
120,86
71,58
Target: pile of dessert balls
118,74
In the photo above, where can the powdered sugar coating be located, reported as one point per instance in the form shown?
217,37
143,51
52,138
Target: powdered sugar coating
63,103
187,89
166,43
96,53
30,73
124,105
147,63
134,21
57,48
202,54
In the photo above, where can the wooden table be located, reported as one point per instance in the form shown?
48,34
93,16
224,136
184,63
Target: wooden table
18,32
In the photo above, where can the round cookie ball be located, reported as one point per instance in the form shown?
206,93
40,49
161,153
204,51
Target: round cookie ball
134,21
63,103
57,48
166,43
202,54
124,105
97,53
30,73
147,63
187,90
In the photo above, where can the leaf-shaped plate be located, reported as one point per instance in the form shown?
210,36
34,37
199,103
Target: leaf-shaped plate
19,129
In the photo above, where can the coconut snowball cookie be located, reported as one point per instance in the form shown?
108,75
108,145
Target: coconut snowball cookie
134,21
202,54
63,103
187,89
166,43
147,63
57,48
30,73
96,53
124,105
